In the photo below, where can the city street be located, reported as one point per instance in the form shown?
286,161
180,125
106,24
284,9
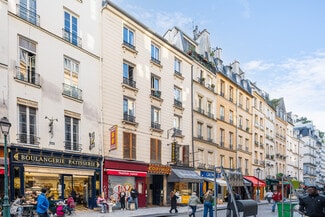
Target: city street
264,210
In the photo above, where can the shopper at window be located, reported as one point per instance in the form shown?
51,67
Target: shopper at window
42,204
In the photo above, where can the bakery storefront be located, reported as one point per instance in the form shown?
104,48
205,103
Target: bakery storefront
59,172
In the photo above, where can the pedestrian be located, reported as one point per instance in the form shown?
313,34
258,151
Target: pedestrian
42,204
269,196
208,201
313,204
173,202
192,202
122,199
134,195
101,202
16,207
277,197
230,204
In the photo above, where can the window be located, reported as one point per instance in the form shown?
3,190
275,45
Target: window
71,126
200,155
231,94
155,150
240,122
155,54
240,100
209,109
231,162
27,11
231,117
129,146
231,140
177,66
222,88
222,160
155,86
247,104
199,130
70,32
128,109
27,62
222,137
27,125
210,158
177,96
128,77
209,133
128,37
71,78
222,113
200,104
155,117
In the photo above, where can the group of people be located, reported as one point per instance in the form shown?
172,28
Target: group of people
42,205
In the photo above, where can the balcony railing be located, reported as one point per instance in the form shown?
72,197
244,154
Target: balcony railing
27,139
178,103
210,115
155,125
71,37
129,82
28,15
72,146
72,91
156,61
200,110
129,118
28,76
201,166
156,93
178,73
129,45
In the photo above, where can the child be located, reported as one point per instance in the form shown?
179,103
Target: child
60,209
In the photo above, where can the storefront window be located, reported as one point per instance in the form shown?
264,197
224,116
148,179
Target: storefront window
117,183
37,181
17,181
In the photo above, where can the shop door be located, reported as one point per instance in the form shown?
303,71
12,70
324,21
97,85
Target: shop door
141,187
67,185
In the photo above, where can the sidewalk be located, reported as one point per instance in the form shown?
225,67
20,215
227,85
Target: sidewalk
147,211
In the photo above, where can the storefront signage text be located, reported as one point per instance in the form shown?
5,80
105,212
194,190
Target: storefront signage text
21,157
159,169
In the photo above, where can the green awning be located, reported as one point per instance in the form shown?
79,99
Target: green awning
272,181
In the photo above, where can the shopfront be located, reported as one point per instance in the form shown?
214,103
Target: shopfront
120,174
184,181
61,173
208,183
258,186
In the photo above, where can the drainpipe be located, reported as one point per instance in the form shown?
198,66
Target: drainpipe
192,114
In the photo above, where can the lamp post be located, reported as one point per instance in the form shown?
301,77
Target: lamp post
258,170
5,127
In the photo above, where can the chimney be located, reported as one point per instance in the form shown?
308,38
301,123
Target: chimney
218,52
195,33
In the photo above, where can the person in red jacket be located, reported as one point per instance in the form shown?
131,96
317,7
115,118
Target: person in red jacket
277,197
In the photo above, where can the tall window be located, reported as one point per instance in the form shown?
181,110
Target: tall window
71,28
200,104
222,88
222,160
27,61
240,122
155,117
231,140
129,146
199,130
231,94
155,54
71,134
209,109
210,158
27,125
231,117
231,162
128,77
27,10
222,137
200,155
128,109
71,72
155,150
128,37
209,133
155,86
240,100
177,122
177,66
177,96
222,113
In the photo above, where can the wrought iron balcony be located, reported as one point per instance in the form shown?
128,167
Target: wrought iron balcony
72,146
27,75
71,37
129,82
129,118
156,61
178,103
155,125
72,91
129,45
156,93
200,110
28,15
27,139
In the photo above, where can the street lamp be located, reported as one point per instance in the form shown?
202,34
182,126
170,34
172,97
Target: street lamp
5,127
258,170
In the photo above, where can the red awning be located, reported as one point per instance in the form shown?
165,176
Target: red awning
2,171
126,173
255,181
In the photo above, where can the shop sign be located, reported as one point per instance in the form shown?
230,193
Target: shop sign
159,169
113,132
53,160
126,173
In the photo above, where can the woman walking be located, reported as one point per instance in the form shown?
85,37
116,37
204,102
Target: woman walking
192,202
208,199
173,202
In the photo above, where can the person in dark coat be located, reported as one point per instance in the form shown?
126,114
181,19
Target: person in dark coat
230,204
313,204
173,202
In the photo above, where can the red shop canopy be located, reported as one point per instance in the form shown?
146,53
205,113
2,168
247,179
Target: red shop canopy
126,173
2,171
255,181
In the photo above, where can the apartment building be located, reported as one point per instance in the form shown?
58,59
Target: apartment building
50,95
292,150
146,111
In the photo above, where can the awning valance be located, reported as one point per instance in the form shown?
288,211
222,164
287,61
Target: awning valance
183,175
220,182
255,181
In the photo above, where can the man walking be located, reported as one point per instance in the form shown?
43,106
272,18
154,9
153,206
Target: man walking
313,204
42,204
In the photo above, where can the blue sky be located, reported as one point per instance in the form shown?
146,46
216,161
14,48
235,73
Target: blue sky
279,43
